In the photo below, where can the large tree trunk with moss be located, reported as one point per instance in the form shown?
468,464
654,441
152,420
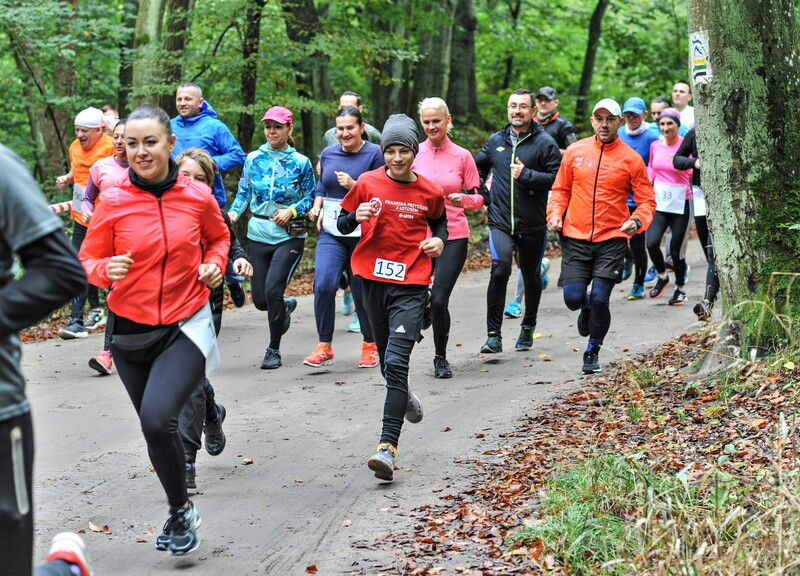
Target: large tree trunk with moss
462,88
431,70
147,47
746,83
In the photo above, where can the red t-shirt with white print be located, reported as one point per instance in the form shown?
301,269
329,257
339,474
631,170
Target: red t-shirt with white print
389,247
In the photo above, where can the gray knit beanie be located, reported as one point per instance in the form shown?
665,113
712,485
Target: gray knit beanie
402,130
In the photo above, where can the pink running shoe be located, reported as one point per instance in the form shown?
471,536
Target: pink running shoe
102,363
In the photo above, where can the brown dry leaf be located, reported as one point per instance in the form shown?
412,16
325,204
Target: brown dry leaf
94,527
141,540
247,461
346,523
312,569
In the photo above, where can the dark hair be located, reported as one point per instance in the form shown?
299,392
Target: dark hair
689,86
192,85
523,91
107,108
121,122
350,111
351,93
661,100
151,112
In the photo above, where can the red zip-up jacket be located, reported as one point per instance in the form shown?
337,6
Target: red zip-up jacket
592,187
168,238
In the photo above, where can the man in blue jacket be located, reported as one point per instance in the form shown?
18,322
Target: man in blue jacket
197,125
523,160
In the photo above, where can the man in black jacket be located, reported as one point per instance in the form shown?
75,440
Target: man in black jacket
523,160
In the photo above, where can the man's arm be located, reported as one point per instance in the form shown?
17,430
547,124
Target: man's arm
230,154
483,162
682,160
550,160
53,275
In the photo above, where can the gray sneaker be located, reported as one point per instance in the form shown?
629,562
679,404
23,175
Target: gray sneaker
525,340
74,330
413,407
182,527
95,320
382,462
215,437
272,359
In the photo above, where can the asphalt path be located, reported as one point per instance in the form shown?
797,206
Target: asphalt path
308,497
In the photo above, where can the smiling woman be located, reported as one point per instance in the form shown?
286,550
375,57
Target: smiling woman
161,241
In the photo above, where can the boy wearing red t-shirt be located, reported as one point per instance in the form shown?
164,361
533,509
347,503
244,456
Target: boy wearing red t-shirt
395,207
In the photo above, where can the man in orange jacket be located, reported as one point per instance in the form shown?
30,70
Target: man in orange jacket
589,205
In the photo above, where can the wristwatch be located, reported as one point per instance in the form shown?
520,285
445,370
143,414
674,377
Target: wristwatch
638,223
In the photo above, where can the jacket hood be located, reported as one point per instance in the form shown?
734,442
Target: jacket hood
206,111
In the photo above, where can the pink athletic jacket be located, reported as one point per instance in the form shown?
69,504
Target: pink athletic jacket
452,168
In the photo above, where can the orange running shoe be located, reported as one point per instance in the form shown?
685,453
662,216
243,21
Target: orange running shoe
321,356
369,355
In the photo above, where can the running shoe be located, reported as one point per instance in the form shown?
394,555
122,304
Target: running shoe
525,339
650,275
637,292
237,294
493,345
441,367
95,319
321,356
591,362
382,462
272,359
182,527
102,363
191,477
347,304
678,298
74,330
413,407
355,324
513,310
215,437
543,272
658,288
369,355
703,310
70,548
583,320
627,268
291,304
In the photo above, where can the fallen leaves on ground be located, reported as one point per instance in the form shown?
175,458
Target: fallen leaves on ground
675,430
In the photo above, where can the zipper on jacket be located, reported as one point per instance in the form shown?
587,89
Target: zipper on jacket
511,184
594,191
163,261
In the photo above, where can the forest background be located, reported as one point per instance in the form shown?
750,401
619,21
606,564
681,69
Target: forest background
59,56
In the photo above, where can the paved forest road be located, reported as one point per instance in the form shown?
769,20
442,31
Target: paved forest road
308,497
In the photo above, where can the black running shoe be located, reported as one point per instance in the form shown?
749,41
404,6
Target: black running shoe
525,339
272,359
583,320
182,525
703,310
215,437
493,345
291,304
591,362
658,288
191,477
441,367
678,298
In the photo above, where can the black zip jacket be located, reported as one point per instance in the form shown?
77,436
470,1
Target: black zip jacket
682,161
518,206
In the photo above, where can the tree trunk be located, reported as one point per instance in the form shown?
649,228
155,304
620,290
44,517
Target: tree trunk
146,43
302,26
252,37
126,59
744,61
462,87
582,106
388,96
179,23
431,70
514,9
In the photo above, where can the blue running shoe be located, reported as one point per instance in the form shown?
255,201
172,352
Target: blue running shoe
347,304
543,272
651,275
513,310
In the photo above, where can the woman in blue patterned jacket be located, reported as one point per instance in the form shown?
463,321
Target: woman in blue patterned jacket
278,183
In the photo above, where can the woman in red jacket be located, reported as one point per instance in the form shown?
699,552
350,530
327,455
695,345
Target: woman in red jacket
160,239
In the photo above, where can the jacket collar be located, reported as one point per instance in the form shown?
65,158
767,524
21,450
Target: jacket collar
532,130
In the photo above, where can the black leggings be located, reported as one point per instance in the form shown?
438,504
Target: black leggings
529,256
448,267
679,224
273,266
159,389
91,292
395,316
638,252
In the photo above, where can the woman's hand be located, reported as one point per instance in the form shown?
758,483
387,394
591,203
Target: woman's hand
432,246
118,267
242,267
282,216
210,275
345,181
455,199
313,214
233,216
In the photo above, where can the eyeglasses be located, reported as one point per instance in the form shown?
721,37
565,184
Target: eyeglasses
520,107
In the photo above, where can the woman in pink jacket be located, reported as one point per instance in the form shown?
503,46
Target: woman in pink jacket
452,168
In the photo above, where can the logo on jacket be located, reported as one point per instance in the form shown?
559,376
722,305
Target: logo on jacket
500,148
378,204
